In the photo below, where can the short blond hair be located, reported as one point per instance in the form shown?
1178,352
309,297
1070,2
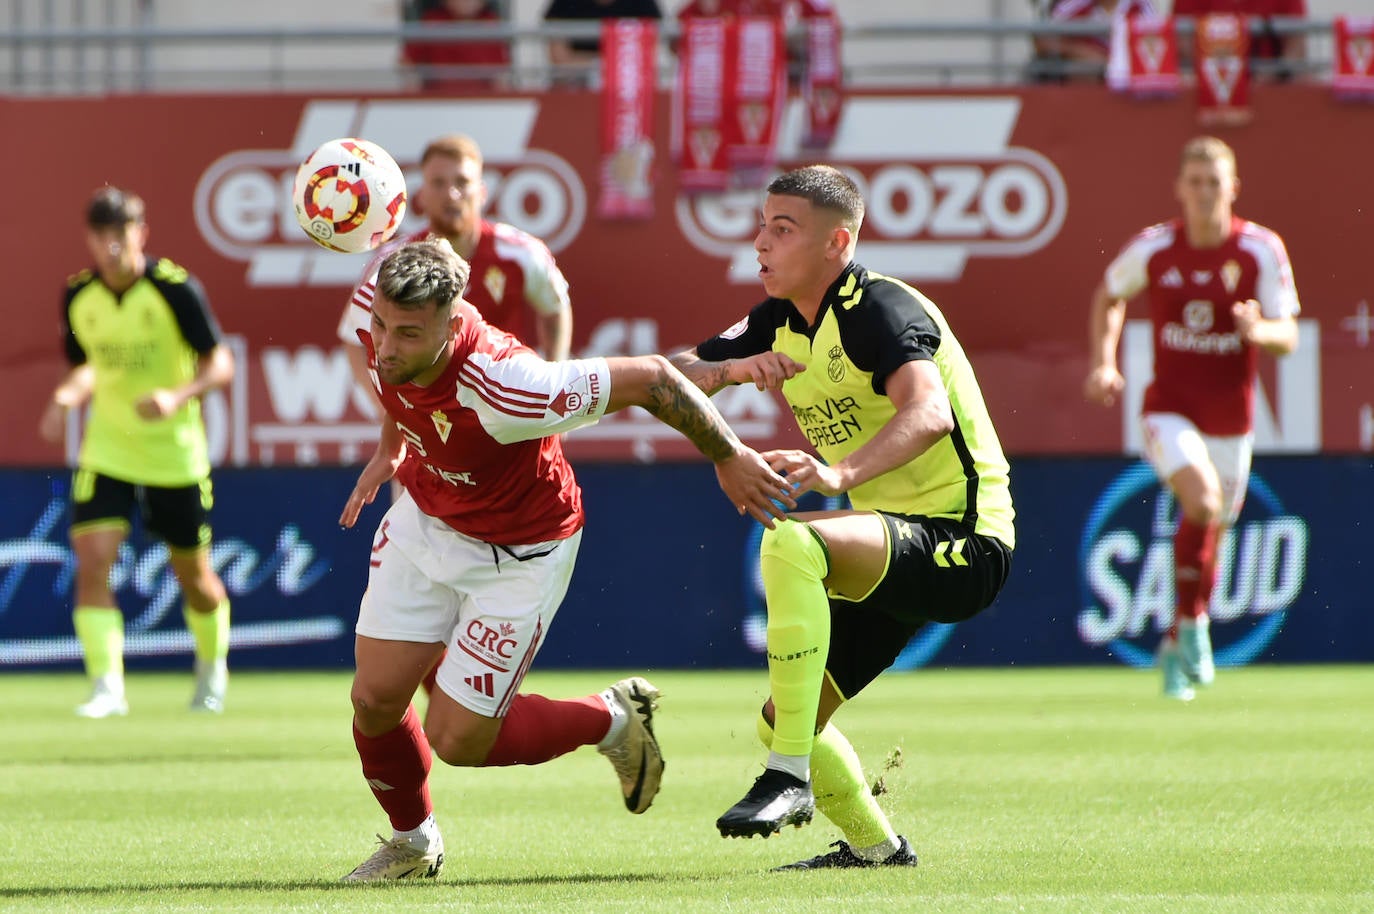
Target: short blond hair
1207,149
455,146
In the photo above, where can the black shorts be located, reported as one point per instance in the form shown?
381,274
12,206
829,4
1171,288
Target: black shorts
180,515
938,571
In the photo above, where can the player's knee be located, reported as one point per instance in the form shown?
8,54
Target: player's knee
375,713
792,546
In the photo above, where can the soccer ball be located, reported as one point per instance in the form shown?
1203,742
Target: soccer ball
349,195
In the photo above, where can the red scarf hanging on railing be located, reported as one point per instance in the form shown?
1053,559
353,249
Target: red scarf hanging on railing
1352,74
823,79
1151,52
700,104
628,49
1223,69
758,96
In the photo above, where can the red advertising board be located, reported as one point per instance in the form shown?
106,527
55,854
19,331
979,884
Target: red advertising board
1003,207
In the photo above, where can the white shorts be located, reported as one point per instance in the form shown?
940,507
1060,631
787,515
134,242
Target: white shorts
492,605
1172,442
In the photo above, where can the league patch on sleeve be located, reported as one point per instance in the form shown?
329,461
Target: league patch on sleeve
734,331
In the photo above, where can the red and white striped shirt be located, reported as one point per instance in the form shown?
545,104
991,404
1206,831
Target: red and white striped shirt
482,448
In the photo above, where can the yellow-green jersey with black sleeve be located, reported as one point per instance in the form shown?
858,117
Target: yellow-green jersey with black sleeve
148,338
868,326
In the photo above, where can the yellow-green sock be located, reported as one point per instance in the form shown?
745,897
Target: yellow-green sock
100,630
210,631
842,794
793,564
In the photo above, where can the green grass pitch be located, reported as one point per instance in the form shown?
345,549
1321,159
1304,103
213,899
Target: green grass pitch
1073,790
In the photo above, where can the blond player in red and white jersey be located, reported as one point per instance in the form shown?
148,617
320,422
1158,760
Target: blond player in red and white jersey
476,554
1219,289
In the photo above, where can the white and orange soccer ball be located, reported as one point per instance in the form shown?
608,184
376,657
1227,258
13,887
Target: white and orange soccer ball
349,195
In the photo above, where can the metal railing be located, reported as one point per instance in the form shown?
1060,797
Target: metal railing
42,59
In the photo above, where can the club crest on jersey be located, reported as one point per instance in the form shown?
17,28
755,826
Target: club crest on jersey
441,424
835,370
495,282
1230,275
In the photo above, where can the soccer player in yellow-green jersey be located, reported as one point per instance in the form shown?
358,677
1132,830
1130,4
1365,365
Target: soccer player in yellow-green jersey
144,347
883,391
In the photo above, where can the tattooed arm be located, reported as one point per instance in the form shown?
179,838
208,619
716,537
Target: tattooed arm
765,370
653,383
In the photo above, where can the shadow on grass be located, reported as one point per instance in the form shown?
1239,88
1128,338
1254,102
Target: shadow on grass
263,885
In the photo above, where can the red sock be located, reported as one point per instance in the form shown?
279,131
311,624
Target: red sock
399,762
1195,569
537,729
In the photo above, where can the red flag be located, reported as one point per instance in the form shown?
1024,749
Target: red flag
699,105
1150,48
1352,74
628,48
758,96
823,81
1223,69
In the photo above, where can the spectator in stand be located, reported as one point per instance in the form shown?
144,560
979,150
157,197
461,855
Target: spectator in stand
1281,52
576,59
459,66
1068,58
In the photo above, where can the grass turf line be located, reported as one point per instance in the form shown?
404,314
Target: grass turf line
1021,790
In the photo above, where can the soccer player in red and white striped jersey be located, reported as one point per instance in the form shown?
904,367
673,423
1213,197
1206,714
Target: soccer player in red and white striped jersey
1220,290
476,554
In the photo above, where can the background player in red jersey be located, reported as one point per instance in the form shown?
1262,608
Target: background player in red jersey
1219,289
477,553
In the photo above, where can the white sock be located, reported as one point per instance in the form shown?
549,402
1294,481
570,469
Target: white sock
421,835
618,721
110,682
799,766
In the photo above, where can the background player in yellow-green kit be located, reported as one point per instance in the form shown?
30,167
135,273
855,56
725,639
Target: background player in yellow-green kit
144,347
882,390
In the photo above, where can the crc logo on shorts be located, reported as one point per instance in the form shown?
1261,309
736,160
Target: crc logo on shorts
940,179
242,200
1126,571
494,646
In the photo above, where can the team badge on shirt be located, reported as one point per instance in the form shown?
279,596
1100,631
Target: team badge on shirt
441,424
495,282
835,370
1230,275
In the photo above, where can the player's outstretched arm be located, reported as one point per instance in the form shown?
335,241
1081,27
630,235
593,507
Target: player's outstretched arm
653,383
390,451
765,370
